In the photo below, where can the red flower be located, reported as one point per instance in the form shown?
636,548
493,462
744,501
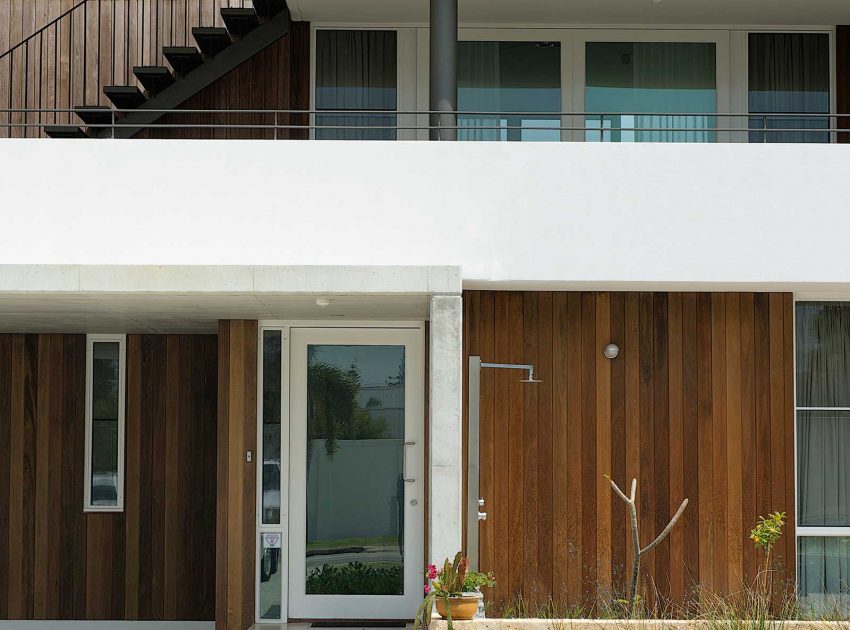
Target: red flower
427,589
432,572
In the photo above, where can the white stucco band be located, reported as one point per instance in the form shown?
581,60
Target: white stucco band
445,400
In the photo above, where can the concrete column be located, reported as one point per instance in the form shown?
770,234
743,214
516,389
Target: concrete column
445,446
443,68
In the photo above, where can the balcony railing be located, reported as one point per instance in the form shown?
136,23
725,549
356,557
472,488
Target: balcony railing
675,127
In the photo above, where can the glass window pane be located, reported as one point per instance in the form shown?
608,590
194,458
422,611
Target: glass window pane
104,435
642,84
509,77
823,570
823,354
823,468
355,485
788,74
356,70
271,426
271,590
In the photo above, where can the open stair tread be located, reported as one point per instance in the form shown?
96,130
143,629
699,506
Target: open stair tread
94,114
65,131
124,96
211,39
269,8
239,22
182,59
154,78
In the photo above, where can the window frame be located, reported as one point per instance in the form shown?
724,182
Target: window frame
832,531
121,340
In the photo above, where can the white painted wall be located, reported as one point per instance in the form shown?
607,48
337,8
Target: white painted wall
518,215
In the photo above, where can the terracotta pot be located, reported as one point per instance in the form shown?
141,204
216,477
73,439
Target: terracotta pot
463,607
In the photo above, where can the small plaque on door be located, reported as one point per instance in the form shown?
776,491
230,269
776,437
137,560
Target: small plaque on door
271,541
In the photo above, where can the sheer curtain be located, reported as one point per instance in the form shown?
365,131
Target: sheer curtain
788,74
659,78
823,448
356,70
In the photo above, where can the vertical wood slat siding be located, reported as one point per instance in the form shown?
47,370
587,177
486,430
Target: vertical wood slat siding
236,487
699,404
136,30
56,562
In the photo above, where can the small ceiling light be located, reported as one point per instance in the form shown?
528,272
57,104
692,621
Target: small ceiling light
611,351
323,302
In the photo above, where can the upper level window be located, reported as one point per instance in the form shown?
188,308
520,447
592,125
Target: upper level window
496,77
356,70
641,85
788,74
105,359
823,451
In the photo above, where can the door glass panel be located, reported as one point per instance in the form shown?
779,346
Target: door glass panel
355,475
509,77
788,74
641,86
271,427
271,592
356,71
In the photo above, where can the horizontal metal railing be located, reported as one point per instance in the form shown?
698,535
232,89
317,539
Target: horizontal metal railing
420,124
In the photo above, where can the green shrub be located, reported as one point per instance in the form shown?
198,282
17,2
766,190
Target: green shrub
356,578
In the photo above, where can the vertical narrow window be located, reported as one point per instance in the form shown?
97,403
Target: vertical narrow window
105,359
650,91
356,71
502,84
788,74
823,453
271,426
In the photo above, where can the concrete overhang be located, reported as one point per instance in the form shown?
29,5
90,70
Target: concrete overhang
583,12
191,299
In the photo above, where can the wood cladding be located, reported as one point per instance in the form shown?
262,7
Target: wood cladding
698,404
276,78
69,63
236,521
155,560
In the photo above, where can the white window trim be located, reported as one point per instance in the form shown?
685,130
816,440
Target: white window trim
802,531
122,387
732,62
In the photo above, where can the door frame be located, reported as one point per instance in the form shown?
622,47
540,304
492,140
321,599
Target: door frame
285,327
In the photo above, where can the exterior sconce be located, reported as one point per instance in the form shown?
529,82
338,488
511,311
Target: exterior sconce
611,351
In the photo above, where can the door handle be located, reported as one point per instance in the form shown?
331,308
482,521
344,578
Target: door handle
482,516
404,463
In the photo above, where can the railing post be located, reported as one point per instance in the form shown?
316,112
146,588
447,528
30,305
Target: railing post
112,124
275,124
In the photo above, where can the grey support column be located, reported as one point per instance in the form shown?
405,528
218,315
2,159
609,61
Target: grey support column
445,443
443,69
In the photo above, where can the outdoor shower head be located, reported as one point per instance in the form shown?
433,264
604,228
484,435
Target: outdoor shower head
530,378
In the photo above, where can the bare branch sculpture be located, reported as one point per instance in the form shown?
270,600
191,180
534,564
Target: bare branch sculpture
637,552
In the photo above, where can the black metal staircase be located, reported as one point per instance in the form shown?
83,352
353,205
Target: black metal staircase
218,50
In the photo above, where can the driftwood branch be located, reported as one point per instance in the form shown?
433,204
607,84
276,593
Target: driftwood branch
637,552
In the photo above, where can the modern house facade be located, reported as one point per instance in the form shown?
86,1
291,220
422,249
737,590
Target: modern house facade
260,262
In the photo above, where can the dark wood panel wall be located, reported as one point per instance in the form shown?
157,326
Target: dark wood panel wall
237,428
277,78
698,404
155,560
842,78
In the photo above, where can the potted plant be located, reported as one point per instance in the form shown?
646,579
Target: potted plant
455,590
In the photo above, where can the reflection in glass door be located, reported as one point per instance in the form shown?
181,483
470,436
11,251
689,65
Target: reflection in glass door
356,520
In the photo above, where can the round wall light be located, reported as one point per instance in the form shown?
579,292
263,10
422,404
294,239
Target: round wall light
611,351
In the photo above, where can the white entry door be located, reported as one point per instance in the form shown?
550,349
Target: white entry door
356,473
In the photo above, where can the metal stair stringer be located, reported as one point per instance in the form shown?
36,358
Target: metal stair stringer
204,75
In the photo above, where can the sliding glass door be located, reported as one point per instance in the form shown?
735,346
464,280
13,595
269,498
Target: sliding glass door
502,84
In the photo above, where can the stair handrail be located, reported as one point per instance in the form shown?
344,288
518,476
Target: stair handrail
43,28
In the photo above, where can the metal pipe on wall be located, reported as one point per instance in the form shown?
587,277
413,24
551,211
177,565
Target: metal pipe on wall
443,69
